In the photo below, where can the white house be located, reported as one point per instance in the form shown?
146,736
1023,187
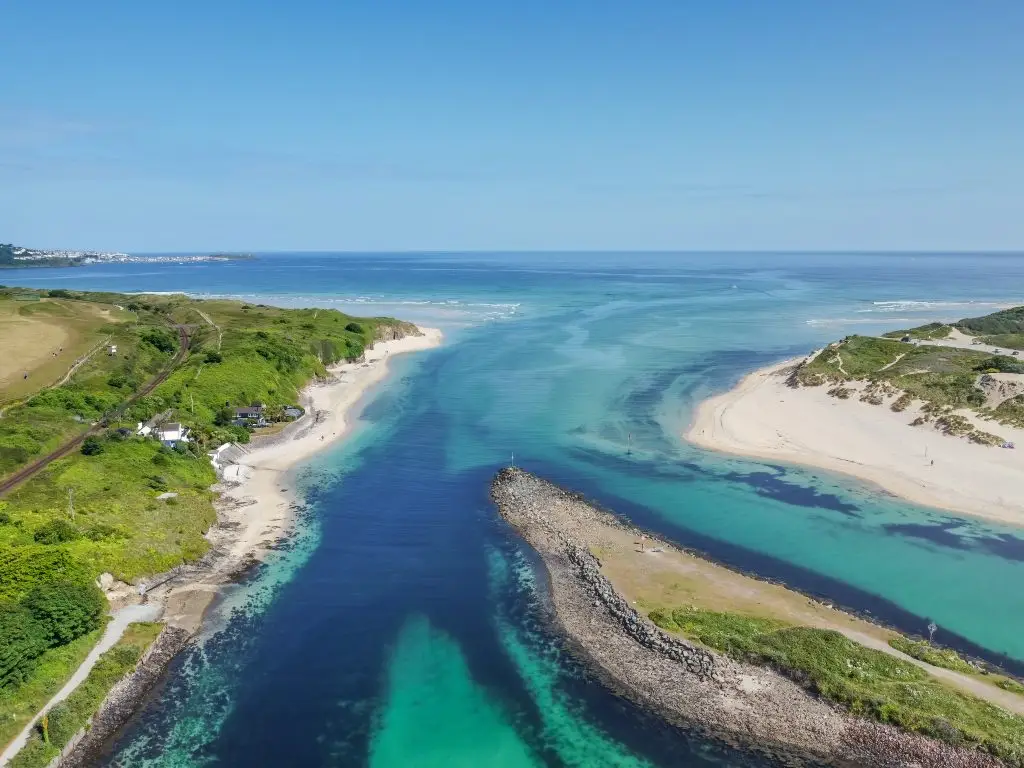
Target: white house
172,433
143,429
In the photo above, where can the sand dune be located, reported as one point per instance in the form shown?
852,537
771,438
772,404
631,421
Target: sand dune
765,418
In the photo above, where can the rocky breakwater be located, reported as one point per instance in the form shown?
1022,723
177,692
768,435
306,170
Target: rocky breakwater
696,689
122,701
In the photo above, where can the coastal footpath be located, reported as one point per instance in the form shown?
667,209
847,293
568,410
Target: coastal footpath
696,688
934,415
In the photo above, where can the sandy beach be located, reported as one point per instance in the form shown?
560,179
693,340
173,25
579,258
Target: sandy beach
257,508
763,417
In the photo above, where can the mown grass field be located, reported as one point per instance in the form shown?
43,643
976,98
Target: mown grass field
45,337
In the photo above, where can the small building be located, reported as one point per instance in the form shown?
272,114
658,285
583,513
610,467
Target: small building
250,415
112,350
172,433
293,412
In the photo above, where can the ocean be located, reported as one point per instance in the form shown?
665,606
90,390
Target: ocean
404,625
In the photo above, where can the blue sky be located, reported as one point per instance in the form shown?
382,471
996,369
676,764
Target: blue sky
654,124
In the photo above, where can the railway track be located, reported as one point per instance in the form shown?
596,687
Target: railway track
30,470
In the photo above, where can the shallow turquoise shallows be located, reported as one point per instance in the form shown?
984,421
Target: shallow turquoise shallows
406,625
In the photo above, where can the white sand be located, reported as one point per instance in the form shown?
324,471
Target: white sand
762,417
256,509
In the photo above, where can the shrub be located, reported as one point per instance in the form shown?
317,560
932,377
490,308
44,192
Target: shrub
66,610
354,328
92,446
1001,364
56,531
22,641
664,620
213,357
932,654
102,532
901,402
224,416
160,338
1009,684
24,567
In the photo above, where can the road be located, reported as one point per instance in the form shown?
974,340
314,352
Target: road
120,621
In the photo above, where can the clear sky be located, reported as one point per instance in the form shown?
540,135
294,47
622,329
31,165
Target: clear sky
458,124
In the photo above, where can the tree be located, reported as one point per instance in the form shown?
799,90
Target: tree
224,416
160,338
56,531
66,610
354,328
92,446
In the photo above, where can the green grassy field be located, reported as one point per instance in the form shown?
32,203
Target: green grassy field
44,338
861,680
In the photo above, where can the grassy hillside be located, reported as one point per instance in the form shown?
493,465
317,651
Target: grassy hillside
122,503
1004,321
239,354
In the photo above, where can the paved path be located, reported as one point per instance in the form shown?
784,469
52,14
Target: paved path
120,621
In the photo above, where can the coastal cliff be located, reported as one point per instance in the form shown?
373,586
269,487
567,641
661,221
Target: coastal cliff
690,686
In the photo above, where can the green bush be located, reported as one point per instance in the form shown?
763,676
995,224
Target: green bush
92,446
22,641
1001,364
354,328
56,531
160,338
1009,684
66,610
213,357
23,567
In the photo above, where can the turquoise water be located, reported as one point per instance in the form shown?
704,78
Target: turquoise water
406,625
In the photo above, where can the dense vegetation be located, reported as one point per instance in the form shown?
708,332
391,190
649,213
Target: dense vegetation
1004,321
863,681
941,379
239,354
106,507
64,720
944,376
49,615
928,331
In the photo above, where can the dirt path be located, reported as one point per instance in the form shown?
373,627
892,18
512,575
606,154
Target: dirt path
209,321
118,624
